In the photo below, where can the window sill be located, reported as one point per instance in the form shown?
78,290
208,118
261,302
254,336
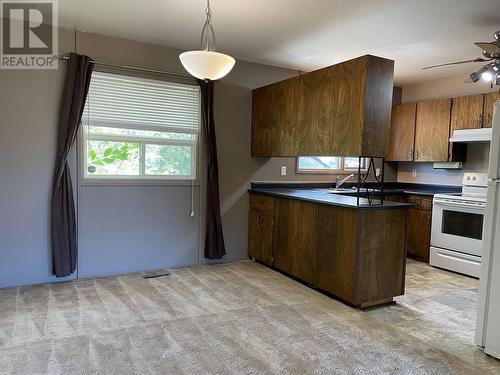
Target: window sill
333,172
134,182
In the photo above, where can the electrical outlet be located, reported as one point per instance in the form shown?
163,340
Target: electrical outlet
414,172
283,170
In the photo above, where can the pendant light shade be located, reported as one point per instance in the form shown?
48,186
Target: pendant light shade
206,63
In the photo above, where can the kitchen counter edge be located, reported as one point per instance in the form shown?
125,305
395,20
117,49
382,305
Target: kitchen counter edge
317,196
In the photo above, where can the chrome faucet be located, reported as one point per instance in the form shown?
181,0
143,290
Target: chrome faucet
339,181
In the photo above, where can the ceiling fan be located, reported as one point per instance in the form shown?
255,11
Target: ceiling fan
489,72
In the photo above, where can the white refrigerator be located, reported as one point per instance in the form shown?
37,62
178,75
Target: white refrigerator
488,316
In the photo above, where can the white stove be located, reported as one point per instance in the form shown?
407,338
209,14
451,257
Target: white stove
457,226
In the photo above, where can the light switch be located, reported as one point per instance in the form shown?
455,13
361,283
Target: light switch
283,170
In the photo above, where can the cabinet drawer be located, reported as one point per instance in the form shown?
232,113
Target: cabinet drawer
261,202
420,202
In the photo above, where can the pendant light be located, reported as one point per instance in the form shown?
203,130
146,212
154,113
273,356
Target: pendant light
206,63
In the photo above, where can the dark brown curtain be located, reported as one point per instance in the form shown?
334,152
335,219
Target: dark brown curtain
63,218
214,239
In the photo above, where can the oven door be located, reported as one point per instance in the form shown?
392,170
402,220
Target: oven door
457,226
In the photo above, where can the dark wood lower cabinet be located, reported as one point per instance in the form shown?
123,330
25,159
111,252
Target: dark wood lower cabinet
260,236
356,255
419,222
419,234
296,238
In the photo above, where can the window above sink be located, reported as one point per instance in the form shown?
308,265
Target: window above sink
329,164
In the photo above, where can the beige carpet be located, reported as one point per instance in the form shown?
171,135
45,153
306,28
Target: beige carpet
239,318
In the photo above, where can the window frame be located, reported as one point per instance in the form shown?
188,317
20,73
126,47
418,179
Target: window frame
342,169
142,177
143,141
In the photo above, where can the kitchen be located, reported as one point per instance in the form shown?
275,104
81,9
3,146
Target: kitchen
436,175
315,194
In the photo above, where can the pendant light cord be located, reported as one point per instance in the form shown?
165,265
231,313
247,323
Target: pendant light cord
208,31
192,199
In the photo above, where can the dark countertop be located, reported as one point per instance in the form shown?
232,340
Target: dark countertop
324,196
428,193
389,187
320,193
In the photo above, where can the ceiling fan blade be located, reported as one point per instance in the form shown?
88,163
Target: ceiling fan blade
456,63
491,48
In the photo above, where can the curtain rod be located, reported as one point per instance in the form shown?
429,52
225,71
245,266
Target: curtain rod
66,58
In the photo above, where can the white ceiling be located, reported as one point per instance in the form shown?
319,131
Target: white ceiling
305,34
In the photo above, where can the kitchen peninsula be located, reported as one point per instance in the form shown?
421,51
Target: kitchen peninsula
348,246
356,253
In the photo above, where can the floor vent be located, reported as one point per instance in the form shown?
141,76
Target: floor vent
154,275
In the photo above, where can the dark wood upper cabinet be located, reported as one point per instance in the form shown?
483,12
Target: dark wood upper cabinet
489,99
433,122
402,137
467,112
341,110
432,131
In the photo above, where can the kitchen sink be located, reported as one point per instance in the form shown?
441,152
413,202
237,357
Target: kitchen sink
342,190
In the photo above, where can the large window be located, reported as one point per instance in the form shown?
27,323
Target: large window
138,128
329,164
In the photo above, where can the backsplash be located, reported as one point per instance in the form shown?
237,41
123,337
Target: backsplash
269,171
477,161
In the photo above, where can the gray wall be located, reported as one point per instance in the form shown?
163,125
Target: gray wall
121,228
29,107
136,228
127,227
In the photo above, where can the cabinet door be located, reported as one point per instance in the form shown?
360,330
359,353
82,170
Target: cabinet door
419,234
467,112
260,236
276,110
489,100
402,132
296,238
432,131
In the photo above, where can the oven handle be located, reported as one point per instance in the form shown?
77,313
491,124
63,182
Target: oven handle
442,202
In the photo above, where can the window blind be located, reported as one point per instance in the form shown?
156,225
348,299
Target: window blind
119,101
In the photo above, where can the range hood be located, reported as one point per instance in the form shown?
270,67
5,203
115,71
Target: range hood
471,135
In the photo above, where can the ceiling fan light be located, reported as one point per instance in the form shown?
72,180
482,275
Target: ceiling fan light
207,64
487,76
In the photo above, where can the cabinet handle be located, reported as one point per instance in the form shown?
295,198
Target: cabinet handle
418,154
488,120
411,154
480,121
261,220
